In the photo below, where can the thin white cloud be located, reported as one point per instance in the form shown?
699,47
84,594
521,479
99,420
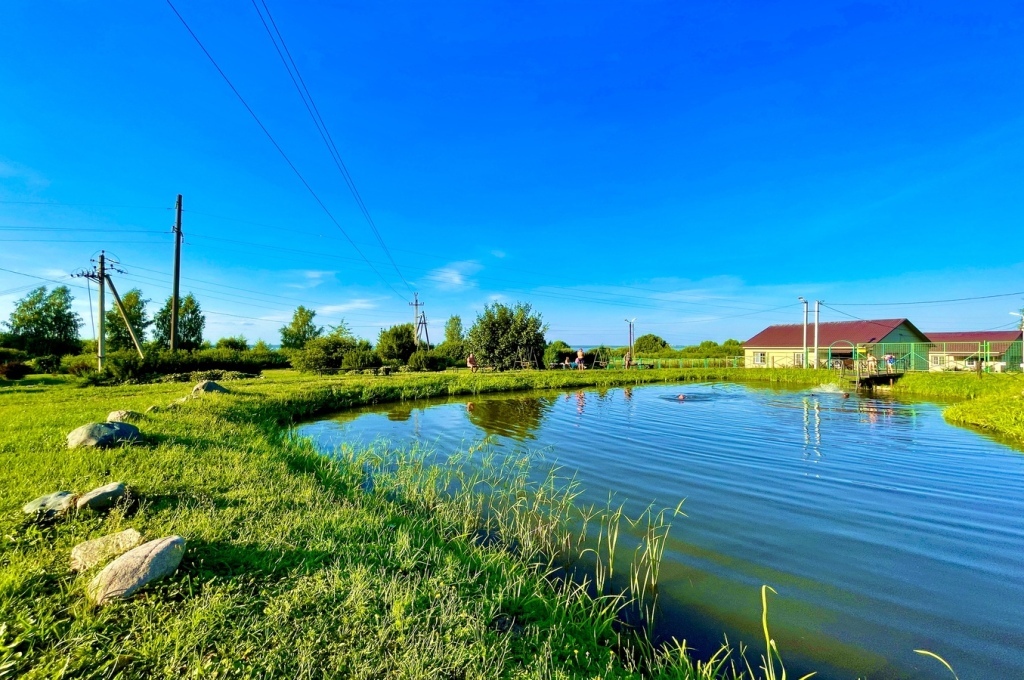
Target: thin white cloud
313,278
456,275
500,254
349,306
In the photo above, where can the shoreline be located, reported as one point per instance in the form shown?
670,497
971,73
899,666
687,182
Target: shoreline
292,566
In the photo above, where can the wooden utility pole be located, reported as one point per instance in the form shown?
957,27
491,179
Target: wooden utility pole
100,276
177,274
416,304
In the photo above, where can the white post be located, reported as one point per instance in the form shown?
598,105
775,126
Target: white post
801,299
817,305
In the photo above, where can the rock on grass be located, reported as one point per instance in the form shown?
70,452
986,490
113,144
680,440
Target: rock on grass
205,387
86,555
124,416
102,435
123,577
50,505
102,497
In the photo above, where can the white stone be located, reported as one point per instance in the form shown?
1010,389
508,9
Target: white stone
123,416
87,555
123,577
50,505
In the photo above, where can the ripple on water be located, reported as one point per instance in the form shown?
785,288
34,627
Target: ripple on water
883,528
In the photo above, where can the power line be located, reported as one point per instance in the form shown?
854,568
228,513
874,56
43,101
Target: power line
41,278
89,205
926,302
314,113
278,147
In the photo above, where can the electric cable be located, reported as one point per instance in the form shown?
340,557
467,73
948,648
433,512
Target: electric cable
277,146
314,113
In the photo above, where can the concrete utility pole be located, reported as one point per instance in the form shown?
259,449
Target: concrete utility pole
177,274
416,304
632,358
801,299
421,327
817,306
100,277
124,315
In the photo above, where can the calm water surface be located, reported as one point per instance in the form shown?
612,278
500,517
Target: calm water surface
883,529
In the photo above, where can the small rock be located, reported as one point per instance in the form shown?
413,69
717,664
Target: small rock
50,505
102,497
120,579
206,386
86,555
123,416
102,435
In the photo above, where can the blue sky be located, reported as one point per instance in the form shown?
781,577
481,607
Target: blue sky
694,165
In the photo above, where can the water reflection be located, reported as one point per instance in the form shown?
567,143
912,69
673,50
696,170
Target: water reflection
812,445
518,418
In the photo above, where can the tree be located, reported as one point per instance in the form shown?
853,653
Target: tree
301,330
556,352
117,335
325,354
43,324
453,349
237,342
396,344
191,323
503,335
649,344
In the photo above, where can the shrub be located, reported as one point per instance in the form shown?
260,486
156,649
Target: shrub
14,370
423,360
237,342
79,365
10,354
360,359
47,364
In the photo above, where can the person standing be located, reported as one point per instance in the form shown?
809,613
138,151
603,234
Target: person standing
626,360
471,363
579,359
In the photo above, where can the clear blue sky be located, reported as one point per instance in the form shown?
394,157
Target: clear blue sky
694,165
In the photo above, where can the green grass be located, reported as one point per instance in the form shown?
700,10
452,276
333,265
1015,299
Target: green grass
992,402
294,567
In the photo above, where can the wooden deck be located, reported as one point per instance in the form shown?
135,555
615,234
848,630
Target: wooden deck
873,379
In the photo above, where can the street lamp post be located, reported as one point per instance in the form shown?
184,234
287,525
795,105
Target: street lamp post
630,351
801,299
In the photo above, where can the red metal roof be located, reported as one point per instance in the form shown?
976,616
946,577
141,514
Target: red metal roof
975,336
857,332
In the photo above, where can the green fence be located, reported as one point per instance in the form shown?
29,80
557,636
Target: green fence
990,357
641,362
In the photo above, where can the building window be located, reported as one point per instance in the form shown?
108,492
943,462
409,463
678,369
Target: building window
798,359
936,360
759,358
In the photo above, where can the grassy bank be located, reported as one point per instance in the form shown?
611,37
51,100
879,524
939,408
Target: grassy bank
992,402
294,567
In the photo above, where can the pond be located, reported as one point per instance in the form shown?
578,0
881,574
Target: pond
883,528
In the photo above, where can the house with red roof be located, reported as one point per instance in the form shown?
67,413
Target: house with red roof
962,350
782,346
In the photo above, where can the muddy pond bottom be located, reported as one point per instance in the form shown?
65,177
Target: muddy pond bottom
883,528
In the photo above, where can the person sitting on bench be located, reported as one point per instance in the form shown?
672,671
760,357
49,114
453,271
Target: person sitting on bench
471,362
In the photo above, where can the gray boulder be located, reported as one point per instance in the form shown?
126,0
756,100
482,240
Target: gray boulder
123,416
102,497
103,435
207,386
120,579
50,505
86,555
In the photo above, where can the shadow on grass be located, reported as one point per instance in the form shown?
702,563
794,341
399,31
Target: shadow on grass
222,559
